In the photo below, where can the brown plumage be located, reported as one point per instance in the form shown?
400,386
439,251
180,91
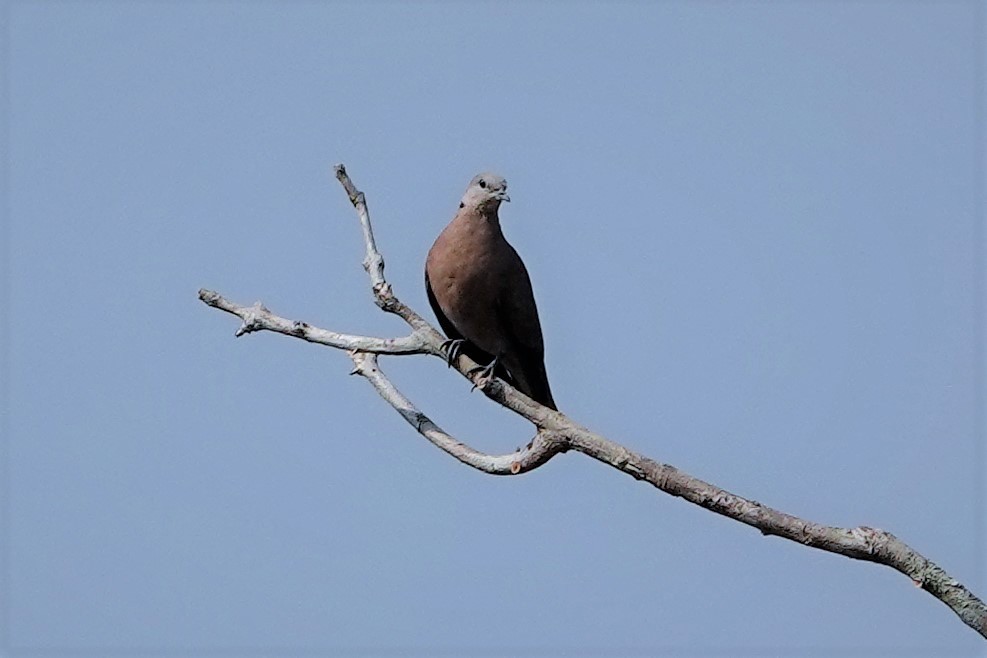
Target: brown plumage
481,293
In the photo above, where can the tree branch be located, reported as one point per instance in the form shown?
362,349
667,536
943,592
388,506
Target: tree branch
557,433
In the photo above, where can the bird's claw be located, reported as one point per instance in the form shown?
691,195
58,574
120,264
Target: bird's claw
452,347
486,374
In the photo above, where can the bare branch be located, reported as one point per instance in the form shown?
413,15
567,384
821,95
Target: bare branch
860,543
557,433
373,262
542,448
258,318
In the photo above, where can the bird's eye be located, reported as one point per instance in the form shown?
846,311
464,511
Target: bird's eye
483,183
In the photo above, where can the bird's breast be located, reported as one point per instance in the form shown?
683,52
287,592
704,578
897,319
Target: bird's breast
466,280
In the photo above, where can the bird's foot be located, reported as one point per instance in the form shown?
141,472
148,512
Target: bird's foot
486,374
452,348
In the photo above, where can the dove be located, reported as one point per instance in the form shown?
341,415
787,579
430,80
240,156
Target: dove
481,293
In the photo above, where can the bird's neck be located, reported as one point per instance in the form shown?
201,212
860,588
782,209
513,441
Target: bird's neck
485,218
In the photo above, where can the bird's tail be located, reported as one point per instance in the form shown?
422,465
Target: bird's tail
533,382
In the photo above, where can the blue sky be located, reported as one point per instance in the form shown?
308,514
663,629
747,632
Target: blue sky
755,233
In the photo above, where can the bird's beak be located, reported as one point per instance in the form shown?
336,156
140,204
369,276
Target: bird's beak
502,196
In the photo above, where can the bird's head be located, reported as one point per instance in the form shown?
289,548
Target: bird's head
485,192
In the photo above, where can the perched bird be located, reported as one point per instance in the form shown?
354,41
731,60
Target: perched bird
481,293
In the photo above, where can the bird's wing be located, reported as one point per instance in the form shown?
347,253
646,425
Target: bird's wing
447,326
517,311
517,316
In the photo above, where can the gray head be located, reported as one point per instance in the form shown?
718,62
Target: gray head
485,192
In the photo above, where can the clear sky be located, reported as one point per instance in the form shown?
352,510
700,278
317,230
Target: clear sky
755,233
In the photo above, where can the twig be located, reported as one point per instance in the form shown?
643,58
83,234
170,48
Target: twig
258,318
544,446
373,261
557,433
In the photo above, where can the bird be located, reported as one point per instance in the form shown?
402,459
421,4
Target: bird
481,293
